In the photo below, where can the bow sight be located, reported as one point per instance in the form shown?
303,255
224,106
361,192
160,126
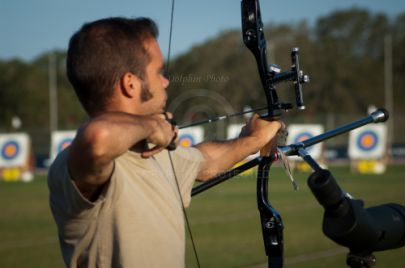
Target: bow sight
270,75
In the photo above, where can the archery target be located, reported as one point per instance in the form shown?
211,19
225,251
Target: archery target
190,136
301,132
368,142
233,131
303,136
186,140
60,140
14,149
64,144
10,150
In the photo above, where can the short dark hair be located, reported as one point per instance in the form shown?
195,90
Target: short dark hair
101,52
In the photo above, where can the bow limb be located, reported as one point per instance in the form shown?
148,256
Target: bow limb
255,41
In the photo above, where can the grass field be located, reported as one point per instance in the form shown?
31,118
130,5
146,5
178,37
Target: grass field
224,222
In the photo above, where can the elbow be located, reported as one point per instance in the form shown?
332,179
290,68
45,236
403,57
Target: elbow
96,138
207,173
209,168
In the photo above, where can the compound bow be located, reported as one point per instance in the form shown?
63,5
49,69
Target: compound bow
254,39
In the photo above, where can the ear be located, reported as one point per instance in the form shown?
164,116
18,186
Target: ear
130,85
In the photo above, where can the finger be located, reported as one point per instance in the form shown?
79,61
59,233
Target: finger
169,115
173,143
281,125
254,117
175,137
161,116
176,133
276,127
169,118
151,152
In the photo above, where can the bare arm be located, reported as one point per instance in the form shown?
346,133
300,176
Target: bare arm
106,137
220,156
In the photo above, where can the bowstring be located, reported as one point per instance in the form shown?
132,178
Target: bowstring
184,212
170,156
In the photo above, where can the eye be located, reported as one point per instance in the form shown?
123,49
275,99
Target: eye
164,73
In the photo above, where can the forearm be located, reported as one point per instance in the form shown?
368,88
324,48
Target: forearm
110,135
102,140
222,155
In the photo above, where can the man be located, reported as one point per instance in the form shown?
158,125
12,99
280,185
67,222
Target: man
113,192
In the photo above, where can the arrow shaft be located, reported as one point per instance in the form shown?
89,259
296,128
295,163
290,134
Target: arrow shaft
219,118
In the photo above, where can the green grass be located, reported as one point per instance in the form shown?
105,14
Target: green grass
27,231
224,222
226,227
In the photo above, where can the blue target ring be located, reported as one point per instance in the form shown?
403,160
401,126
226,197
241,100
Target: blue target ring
186,140
10,150
64,144
302,137
367,140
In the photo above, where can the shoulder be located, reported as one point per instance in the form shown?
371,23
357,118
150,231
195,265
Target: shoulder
189,154
59,167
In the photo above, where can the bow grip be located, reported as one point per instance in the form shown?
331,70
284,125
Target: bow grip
266,150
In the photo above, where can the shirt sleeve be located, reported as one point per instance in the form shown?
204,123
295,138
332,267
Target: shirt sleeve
187,163
65,199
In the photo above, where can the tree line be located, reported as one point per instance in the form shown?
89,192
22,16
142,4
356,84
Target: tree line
342,52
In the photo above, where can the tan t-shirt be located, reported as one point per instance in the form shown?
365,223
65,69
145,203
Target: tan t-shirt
136,222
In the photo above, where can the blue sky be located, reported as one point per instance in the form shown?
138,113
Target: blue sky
31,27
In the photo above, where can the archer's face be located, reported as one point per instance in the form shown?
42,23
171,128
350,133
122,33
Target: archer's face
155,82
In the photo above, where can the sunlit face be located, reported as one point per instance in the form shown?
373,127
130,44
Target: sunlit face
154,81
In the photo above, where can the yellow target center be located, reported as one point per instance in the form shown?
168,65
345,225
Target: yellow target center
185,143
10,150
368,141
